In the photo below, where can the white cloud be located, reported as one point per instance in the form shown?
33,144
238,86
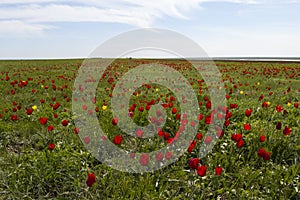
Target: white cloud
28,16
19,28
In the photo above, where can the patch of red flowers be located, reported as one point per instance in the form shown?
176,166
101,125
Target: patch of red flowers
43,120
194,162
14,118
264,154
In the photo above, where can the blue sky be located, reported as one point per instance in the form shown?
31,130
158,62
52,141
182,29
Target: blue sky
68,29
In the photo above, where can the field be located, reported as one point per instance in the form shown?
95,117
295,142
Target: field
43,154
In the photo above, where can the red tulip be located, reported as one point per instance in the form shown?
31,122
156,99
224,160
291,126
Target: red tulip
264,154
43,120
248,112
144,159
29,111
139,133
247,127
50,128
87,140
267,156
261,152
159,156
279,108
55,106
76,130
218,170
174,110
14,118
168,155
227,123
265,104
240,143
91,179
208,139
201,170
65,122
262,138
192,146
236,137
194,162
118,139
287,131
199,136
233,106
51,146
278,126
115,121
208,105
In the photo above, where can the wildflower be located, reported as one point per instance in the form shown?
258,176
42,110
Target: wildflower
262,138
248,112
50,128
118,139
287,131
201,170
65,122
43,120
247,127
51,146
14,118
144,159
218,170
240,143
194,162
159,156
91,179
115,121
29,111
168,155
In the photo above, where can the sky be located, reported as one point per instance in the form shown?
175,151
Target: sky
223,28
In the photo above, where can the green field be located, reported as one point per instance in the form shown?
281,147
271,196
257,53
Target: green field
42,159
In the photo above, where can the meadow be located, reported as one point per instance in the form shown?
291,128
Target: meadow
256,155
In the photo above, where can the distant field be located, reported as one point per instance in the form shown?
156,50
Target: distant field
256,156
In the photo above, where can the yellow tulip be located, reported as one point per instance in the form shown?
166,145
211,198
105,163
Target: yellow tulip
241,92
34,107
104,107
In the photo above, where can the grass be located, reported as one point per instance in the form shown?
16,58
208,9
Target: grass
29,170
